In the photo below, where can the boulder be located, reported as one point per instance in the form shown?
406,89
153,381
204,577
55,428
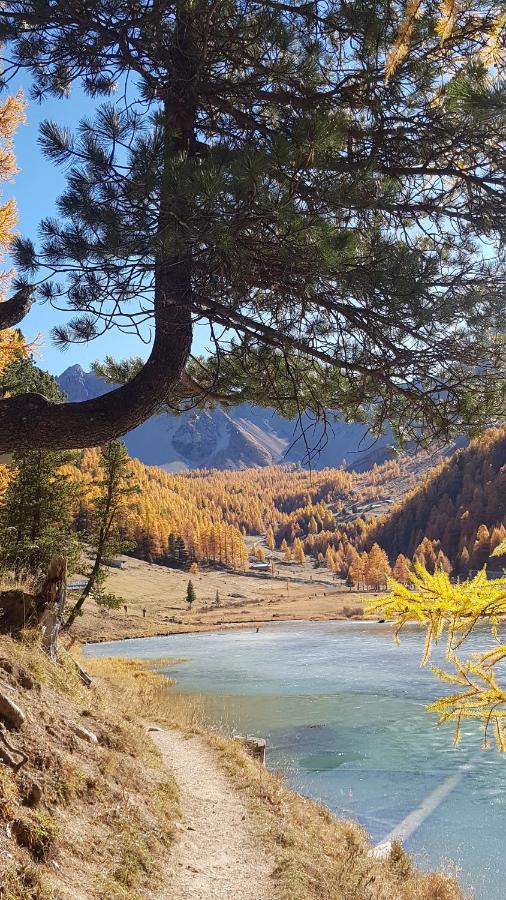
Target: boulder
18,611
254,746
11,712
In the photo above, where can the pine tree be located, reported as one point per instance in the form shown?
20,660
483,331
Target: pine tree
269,538
41,498
36,519
238,178
171,546
190,594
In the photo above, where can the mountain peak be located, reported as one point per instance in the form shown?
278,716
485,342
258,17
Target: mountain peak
80,385
239,438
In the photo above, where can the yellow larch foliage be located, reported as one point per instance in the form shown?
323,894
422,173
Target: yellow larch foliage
5,478
494,51
500,550
11,115
400,47
452,611
452,17
448,10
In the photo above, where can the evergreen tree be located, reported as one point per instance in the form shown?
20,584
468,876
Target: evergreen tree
297,174
36,519
171,546
37,515
190,594
105,536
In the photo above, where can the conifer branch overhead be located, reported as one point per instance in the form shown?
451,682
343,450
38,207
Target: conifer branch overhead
296,177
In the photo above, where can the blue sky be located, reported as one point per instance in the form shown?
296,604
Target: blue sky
36,189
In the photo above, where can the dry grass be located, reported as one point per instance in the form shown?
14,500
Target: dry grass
114,796
243,601
318,857
26,883
24,583
144,692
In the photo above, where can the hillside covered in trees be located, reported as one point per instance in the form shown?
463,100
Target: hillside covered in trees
453,512
460,507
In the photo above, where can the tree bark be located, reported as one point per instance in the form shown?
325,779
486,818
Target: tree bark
12,311
30,421
51,600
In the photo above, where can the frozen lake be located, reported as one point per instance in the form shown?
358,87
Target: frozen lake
342,709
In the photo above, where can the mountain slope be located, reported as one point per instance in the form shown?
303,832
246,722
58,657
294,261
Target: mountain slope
238,438
461,504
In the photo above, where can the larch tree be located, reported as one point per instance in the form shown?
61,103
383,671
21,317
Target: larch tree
270,539
11,342
329,558
356,571
377,568
401,569
298,177
298,551
107,514
452,612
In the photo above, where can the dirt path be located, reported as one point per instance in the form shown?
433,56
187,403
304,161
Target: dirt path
217,855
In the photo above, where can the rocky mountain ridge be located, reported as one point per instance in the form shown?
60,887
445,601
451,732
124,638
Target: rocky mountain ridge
235,438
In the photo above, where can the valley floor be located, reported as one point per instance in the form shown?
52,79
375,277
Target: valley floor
224,599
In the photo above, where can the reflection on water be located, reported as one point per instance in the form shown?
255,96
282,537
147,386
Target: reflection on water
342,709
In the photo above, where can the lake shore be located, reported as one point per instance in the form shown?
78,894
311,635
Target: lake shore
242,834
154,601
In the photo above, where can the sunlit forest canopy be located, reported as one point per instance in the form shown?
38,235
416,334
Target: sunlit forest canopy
319,184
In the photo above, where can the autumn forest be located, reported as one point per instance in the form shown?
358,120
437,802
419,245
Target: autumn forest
451,516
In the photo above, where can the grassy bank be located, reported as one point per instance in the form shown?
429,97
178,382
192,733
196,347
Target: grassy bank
318,857
92,812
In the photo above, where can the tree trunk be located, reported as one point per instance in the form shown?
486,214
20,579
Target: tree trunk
51,603
29,421
86,592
